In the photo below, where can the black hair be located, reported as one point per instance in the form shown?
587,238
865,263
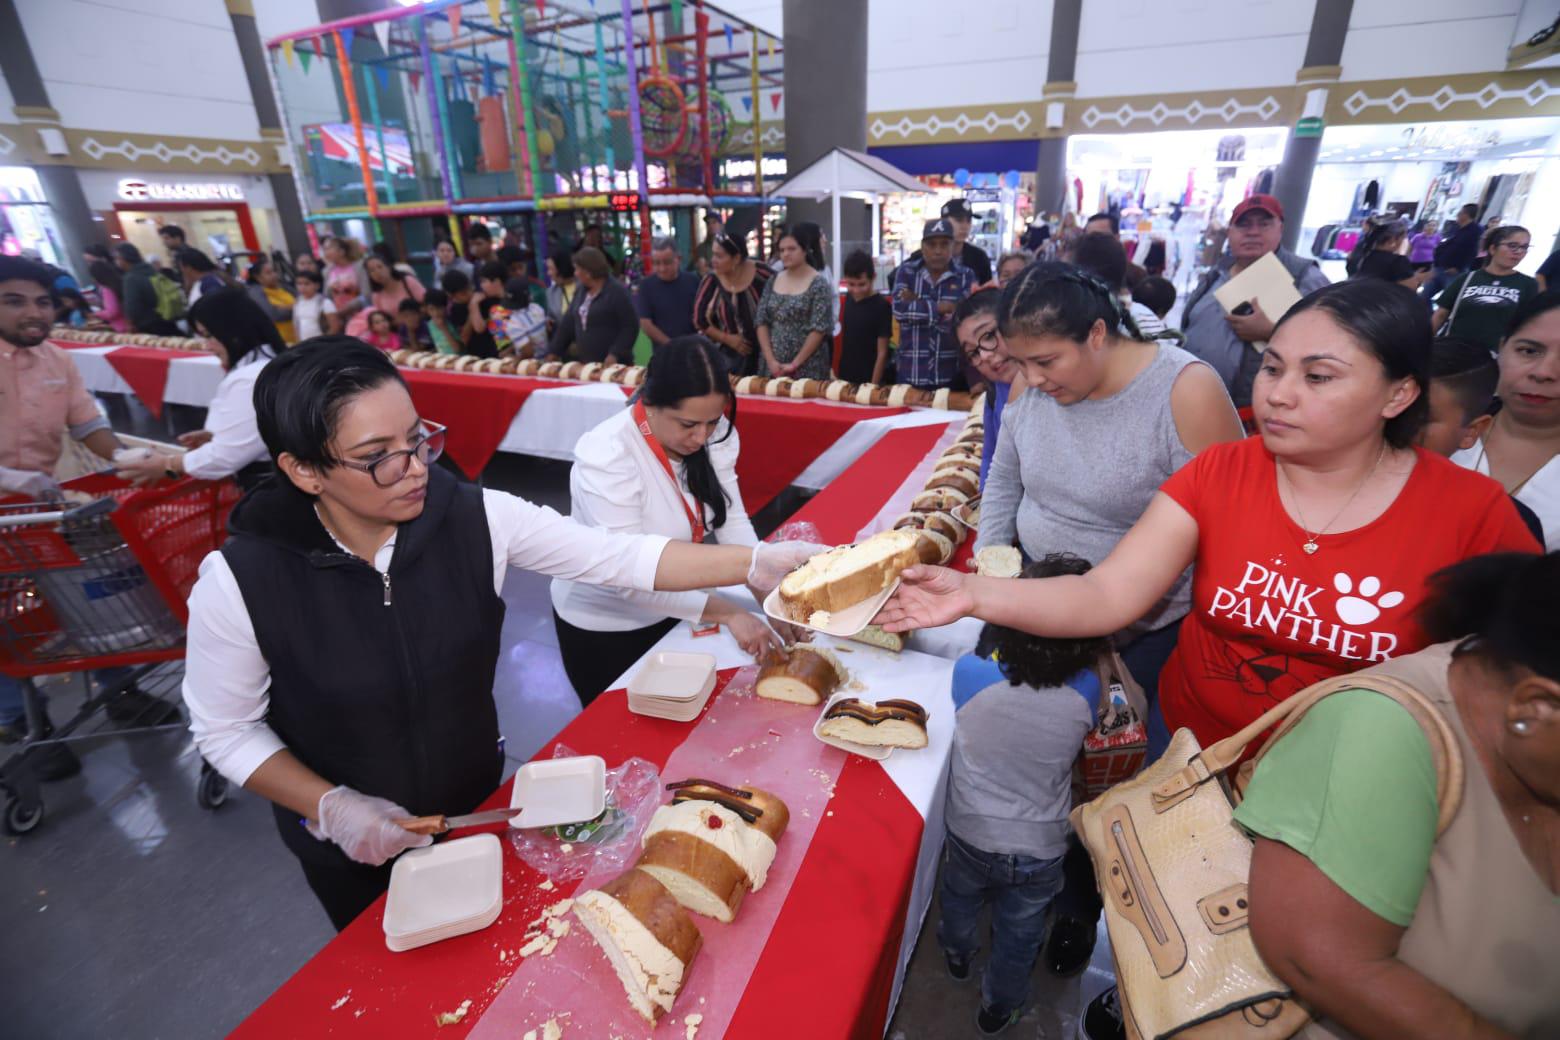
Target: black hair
1496,235
563,263
173,229
692,366
1390,322
194,259
436,298
310,276
1468,371
517,292
492,270
300,395
859,265
72,300
730,243
252,276
1115,222
1532,308
1469,210
1376,232
810,237
127,252
408,305
455,280
232,317
1057,299
1504,607
1040,661
1155,293
1103,256
479,231
106,275
21,269
981,301
98,251
509,255
593,262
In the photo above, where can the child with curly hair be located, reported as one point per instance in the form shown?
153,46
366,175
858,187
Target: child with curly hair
1022,713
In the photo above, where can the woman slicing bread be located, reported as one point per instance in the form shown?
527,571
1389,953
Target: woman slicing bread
343,643
665,465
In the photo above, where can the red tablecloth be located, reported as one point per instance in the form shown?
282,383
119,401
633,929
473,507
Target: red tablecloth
146,370
826,970
477,409
843,508
781,438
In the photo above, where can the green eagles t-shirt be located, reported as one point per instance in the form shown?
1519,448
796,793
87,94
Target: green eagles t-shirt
1482,304
1352,788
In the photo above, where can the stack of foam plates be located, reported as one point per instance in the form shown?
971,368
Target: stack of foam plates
444,890
672,685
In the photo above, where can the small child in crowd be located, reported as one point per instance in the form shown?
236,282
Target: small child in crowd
1158,295
409,325
1463,405
381,332
436,309
314,313
866,325
520,325
1020,721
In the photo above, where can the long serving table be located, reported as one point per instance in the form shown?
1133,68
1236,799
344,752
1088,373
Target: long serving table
803,443
837,921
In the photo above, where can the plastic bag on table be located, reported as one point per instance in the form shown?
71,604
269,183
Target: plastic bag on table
796,531
611,840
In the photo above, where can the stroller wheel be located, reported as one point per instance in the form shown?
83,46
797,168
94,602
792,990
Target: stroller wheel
212,791
22,817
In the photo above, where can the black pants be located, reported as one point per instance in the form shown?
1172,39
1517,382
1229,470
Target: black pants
347,890
594,659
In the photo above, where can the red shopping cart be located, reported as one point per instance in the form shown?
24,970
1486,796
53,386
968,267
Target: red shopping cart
96,583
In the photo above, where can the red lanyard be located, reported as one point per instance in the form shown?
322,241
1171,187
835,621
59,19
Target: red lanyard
695,519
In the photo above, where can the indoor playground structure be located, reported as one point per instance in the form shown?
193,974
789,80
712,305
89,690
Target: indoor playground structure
457,108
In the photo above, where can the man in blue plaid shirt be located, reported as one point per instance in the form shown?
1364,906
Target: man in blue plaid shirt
925,293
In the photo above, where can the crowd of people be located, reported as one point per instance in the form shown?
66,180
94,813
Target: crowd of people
1240,508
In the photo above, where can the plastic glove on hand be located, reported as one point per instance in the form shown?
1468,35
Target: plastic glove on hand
772,561
40,487
364,826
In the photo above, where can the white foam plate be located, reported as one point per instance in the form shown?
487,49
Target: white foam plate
864,750
674,676
446,889
843,623
559,790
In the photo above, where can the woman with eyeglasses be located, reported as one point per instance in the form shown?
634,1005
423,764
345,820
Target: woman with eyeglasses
344,641
244,339
726,304
980,341
1478,305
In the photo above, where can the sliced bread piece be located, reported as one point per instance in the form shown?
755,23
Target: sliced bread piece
894,723
845,576
646,934
800,677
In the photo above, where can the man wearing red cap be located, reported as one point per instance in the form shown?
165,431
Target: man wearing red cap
1224,340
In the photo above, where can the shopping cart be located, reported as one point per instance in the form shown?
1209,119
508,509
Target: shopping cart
100,582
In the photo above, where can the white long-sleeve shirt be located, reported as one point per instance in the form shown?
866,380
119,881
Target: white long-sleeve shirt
235,436
618,485
227,680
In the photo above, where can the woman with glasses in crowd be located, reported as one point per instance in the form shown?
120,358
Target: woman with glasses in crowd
1478,306
980,342
343,642
726,305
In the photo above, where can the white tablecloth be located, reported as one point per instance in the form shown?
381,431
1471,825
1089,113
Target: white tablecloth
191,380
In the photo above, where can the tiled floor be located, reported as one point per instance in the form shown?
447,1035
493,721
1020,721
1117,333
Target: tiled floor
135,914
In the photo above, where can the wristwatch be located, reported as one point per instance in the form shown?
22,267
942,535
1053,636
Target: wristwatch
168,470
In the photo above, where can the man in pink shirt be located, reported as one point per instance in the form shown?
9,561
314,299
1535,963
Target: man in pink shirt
41,399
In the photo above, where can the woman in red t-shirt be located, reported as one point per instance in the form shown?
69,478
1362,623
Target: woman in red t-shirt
1312,543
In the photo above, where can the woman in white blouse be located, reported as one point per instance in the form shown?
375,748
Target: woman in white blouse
666,465
244,339
343,642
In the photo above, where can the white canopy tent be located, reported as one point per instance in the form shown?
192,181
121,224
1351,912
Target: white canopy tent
850,175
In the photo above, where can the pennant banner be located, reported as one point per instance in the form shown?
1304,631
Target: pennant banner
382,30
287,52
346,42
676,13
415,78
454,13
304,57
774,99
771,46
382,74
747,103
496,12
731,42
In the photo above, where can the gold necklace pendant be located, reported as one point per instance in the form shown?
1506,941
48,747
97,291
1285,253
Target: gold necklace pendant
1310,547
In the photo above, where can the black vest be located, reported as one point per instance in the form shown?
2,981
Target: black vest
386,688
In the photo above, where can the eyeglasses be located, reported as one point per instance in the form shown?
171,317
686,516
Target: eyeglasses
389,470
985,345
1517,247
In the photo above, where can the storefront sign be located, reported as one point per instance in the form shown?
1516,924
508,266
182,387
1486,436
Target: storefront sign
133,190
1310,126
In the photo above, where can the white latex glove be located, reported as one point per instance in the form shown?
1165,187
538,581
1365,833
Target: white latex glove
364,826
772,561
37,486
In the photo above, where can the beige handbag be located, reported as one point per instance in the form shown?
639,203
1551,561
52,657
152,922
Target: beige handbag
1171,866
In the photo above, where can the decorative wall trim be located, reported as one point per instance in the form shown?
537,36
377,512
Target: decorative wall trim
36,114
1493,95
740,144
109,149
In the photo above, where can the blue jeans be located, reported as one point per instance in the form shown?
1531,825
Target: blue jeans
1019,888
